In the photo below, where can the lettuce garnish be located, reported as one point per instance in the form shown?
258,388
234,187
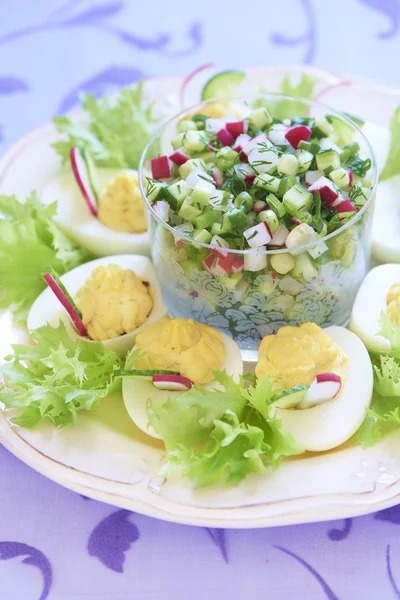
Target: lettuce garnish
392,166
30,243
115,130
57,377
221,436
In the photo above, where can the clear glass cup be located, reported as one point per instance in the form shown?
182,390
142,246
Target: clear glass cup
258,300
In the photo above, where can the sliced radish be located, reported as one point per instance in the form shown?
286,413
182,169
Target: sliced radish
161,167
210,262
225,264
350,173
225,137
324,388
237,264
263,160
214,125
196,176
297,134
345,206
277,134
67,304
256,260
220,246
172,382
326,189
313,176
241,141
179,157
244,171
161,209
185,101
279,238
296,221
81,175
236,128
259,206
255,143
258,235
218,176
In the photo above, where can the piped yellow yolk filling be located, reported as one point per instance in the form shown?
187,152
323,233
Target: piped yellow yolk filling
121,206
393,303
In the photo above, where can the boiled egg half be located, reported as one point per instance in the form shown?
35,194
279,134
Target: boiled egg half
112,300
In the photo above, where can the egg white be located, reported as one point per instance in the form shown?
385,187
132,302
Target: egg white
75,218
386,222
331,424
379,138
369,304
136,391
47,309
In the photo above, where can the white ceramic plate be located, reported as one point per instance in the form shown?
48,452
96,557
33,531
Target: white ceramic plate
108,458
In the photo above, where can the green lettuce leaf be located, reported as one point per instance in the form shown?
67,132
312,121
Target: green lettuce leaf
30,242
56,377
305,88
392,166
219,436
115,132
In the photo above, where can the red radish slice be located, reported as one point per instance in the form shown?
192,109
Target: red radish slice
324,388
255,142
81,175
241,141
258,235
172,382
350,173
188,79
59,294
209,262
259,206
346,206
236,128
160,167
179,157
249,178
220,246
279,237
214,125
296,221
326,189
225,137
297,134
218,176
225,264
237,264
313,176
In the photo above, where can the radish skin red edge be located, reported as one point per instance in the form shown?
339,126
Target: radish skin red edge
75,318
79,170
172,382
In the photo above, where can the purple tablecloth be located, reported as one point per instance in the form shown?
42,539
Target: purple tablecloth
57,545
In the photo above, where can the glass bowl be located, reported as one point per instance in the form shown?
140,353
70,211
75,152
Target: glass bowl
321,288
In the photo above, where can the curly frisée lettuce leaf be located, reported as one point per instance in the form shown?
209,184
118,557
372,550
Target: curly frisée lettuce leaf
30,242
56,377
305,88
392,166
115,131
221,435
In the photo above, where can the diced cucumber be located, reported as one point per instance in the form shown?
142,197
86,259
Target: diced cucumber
297,199
304,267
269,217
267,182
348,151
217,229
259,118
189,211
345,131
177,141
276,205
288,164
207,219
340,177
283,263
286,184
293,399
155,189
318,250
177,192
202,192
304,159
202,235
329,159
235,220
206,156
195,141
232,281
324,126
222,84
189,165
188,266
226,158
186,125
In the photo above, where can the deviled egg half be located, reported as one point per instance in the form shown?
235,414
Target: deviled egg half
180,353
379,293
117,298
331,373
100,209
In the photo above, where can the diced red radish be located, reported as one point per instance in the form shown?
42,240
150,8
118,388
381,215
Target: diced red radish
209,262
161,209
279,237
64,301
244,171
259,206
258,235
236,128
249,178
225,137
179,157
256,260
313,176
346,206
197,175
277,134
326,189
172,382
237,264
161,167
262,159
328,144
296,221
218,176
324,388
255,143
297,134
220,246
214,125
350,173
225,263
81,175
241,141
